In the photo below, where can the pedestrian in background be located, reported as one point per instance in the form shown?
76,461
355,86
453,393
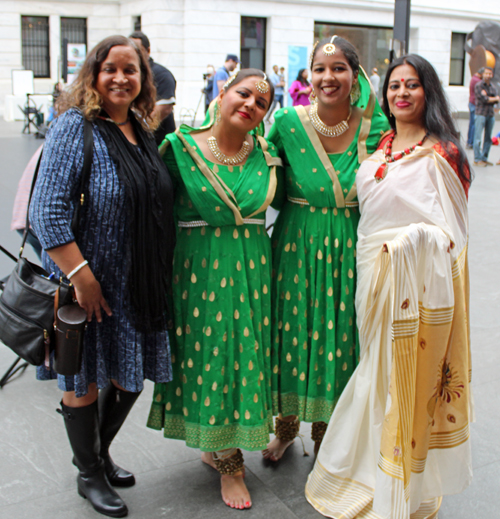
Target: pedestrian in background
279,84
209,85
375,80
283,78
223,73
120,260
486,98
300,89
18,222
472,106
165,89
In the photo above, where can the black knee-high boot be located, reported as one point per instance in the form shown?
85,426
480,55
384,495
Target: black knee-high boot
114,407
82,426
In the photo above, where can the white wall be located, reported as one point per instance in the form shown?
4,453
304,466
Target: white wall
187,35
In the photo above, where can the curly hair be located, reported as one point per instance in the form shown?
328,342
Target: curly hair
83,94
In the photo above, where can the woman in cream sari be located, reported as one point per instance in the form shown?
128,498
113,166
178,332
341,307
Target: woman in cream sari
399,437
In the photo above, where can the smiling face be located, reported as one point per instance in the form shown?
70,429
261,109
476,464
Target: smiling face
405,95
119,79
243,106
487,75
332,78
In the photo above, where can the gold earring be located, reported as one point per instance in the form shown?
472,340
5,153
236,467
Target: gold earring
312,97
355,93
218,115
262,85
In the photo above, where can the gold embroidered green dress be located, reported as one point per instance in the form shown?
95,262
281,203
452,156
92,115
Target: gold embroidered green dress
220,394
314,262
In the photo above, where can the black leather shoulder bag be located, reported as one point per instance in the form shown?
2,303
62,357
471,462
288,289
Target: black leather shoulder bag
28,297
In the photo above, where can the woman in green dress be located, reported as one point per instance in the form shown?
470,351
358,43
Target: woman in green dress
314,241
220,400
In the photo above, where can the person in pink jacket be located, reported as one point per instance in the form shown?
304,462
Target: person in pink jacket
301,88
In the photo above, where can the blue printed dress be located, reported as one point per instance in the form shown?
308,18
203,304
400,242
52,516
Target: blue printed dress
113,349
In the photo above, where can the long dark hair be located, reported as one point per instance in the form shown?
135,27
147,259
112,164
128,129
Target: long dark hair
302,79
84,95
437,114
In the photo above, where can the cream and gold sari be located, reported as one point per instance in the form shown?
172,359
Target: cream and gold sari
399,437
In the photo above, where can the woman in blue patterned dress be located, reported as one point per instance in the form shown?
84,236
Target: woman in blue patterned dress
120,260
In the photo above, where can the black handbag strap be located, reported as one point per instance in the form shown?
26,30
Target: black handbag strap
88,142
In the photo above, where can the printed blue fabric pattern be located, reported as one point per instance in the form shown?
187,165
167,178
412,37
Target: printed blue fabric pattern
113,349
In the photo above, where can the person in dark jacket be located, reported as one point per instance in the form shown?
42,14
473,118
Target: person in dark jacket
165,89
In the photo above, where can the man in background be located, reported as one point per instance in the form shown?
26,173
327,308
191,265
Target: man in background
223,73
474,80
375,80
486,98
165,90
278,83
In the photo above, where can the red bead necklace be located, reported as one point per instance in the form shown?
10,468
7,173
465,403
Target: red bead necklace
382,169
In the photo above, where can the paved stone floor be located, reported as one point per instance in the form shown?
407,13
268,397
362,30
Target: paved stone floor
36,475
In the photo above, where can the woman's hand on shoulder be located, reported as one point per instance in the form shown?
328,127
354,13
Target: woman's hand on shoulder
89,294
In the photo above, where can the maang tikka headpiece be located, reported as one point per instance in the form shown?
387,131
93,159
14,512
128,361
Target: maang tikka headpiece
262,85
329,48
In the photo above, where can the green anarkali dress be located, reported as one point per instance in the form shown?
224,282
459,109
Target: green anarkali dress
220,396
314,262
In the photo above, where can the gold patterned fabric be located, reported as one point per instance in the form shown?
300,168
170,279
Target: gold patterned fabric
314,262
399,437
219,397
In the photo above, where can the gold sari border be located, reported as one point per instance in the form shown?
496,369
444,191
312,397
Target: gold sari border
273,182
366,121
303,201
343,498
318,147
212,178
202,223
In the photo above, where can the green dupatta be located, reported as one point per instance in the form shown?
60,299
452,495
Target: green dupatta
313,171
216,202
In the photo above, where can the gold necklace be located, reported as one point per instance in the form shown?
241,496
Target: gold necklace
225,159
328,131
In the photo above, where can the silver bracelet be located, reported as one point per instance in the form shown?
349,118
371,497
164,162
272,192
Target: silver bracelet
77,269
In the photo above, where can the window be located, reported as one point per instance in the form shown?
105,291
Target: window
74,30
35,44
372,44
253,42
457,60
136,23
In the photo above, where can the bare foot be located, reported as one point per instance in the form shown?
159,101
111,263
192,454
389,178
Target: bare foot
275,449
207,458
234,491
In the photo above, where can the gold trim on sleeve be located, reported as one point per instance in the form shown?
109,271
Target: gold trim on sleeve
366,121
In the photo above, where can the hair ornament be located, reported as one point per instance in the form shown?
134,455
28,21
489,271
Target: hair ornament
262,85
312,55
229,81
329,48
